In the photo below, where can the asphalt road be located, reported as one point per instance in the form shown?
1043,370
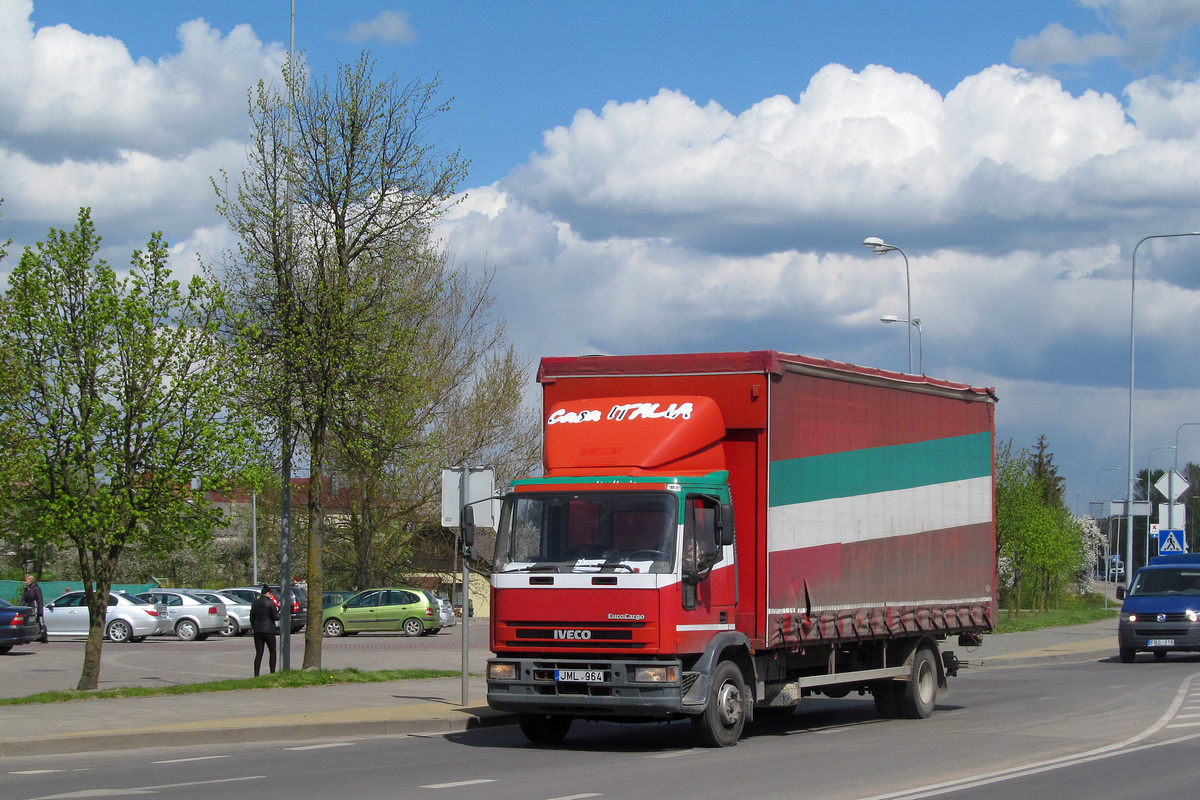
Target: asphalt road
1096,729
164,660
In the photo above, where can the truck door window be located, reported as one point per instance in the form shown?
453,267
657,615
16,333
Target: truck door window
700,549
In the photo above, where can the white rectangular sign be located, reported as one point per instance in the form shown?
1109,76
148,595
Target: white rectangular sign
480,486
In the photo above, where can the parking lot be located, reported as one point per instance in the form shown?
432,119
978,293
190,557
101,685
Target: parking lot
166,661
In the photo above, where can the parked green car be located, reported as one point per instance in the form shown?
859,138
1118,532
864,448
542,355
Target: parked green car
407,610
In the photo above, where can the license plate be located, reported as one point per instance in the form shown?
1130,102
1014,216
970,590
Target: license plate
579,675
1160,643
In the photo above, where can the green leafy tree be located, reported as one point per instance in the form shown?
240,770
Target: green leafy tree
123,384
1040,547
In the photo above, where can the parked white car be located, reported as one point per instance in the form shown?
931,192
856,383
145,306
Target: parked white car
188,617
129,618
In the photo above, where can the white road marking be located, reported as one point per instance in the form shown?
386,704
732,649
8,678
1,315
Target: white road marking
456,784
35,771
321,746
577,796
182,760
84,793
1120,748
675,753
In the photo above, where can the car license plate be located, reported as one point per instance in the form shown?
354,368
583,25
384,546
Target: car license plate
1160,643
579,675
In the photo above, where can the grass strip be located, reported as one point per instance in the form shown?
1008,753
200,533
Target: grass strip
292,679
1036,620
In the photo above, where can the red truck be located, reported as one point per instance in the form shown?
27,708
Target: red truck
717,535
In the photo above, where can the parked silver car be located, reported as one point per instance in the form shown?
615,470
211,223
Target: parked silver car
299,601
129,618
445,609
237,610
188,617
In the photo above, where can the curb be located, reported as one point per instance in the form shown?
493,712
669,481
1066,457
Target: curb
253,729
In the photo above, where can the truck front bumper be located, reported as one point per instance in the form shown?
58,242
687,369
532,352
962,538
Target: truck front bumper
592,688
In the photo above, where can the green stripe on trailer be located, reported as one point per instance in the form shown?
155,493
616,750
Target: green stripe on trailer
880,469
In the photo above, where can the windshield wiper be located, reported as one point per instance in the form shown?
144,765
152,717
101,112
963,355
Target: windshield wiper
535,568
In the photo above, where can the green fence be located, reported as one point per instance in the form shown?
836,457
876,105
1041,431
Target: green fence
11,590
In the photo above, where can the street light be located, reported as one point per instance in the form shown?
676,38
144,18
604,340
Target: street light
920,337
1132,327
879,247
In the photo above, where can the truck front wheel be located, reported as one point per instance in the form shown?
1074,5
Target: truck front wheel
544,728
723,719
919,695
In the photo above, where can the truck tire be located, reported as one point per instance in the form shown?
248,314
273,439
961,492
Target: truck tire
544,728
919,695
724,717
1128,655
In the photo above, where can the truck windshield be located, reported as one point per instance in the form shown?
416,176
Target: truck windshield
1166,581
587,532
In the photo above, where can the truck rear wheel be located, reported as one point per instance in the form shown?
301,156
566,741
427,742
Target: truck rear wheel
724,718
544,728
919,694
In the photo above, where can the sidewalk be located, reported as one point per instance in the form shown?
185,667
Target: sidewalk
418,706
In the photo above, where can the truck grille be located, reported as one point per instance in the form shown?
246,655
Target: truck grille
575,635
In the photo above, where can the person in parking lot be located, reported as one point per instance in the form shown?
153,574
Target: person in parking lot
32,597
264,621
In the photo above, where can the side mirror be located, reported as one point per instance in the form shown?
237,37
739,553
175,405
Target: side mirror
1120,592
724,524
468,529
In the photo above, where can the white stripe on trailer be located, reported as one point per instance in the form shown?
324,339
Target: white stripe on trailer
881,515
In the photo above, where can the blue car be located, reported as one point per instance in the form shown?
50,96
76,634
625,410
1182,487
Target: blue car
18,626
1161,611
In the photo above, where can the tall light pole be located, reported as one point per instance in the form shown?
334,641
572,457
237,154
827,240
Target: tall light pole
915,323
1132,328
879,247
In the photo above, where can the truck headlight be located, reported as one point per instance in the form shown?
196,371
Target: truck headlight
502,672
1131,618
663,674
1193,616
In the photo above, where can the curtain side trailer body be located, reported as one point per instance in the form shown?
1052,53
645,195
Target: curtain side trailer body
717,535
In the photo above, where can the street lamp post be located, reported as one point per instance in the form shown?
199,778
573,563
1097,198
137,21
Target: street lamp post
1132,328
914,323
879,247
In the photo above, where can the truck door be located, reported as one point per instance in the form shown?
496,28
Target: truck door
709,584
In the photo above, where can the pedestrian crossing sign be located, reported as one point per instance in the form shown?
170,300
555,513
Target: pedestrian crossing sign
1170,541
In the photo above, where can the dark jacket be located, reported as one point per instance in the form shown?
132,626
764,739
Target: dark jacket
264,615
32,597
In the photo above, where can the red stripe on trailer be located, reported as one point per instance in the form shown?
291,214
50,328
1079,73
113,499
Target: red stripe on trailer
827,416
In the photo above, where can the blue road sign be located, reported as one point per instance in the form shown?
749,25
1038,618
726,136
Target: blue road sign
1170,541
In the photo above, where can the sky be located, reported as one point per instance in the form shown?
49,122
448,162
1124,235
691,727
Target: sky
700,176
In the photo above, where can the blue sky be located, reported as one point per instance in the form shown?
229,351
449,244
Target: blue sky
662,176
517,68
